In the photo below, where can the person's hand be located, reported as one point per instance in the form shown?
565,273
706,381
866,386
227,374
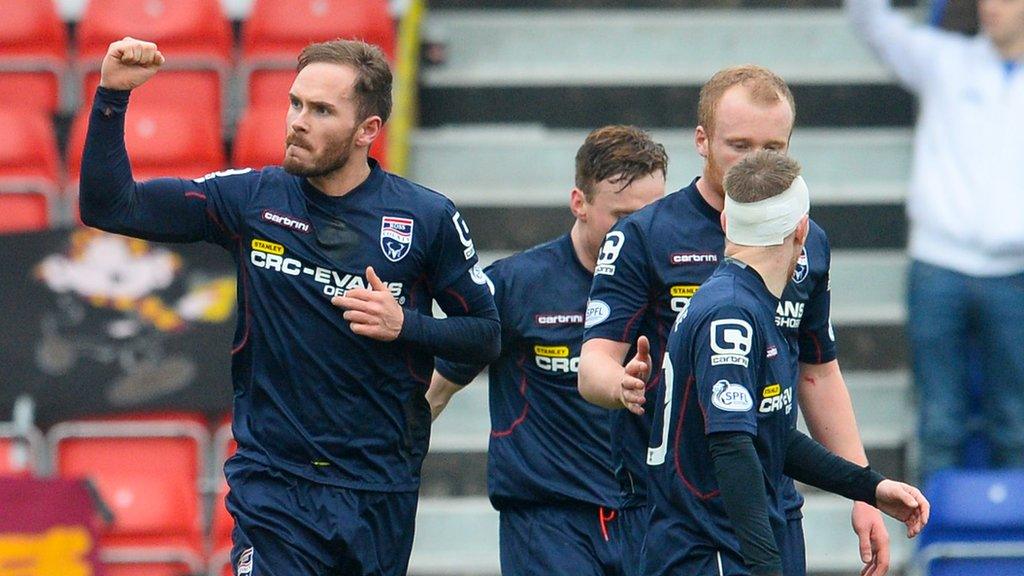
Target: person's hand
874,539
904,503
634,379
129,63
373,313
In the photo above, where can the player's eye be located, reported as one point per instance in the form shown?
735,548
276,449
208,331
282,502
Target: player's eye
295,103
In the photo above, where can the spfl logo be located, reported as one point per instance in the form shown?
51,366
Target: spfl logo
395,237
731,397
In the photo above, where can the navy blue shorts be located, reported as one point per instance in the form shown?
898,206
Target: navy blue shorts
634,526
688,559
288,526
578,539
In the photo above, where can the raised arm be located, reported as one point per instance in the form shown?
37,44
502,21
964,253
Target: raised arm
167,209
910,51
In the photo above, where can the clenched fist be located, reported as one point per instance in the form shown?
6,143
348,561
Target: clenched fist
129,63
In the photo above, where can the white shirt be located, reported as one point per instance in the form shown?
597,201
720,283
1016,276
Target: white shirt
966,196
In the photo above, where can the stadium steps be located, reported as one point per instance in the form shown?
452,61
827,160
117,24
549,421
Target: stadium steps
459,536
644,47
570,68
515,165
868,286
516,194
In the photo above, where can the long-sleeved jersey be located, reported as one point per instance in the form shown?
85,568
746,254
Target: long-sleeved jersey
310,396
651,264
547,443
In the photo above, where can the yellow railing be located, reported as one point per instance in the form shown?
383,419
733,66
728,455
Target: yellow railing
403,116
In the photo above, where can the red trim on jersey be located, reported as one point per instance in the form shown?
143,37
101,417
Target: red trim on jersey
817,344
526,405
679,433
457,296
194,194
245,295
629,325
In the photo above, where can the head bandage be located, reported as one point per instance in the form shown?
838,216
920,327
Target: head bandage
767,222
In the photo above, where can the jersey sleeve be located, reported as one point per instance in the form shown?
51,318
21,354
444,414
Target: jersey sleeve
227,194
726,348
453,252
912,51
164,209
464,373
816,337
620,291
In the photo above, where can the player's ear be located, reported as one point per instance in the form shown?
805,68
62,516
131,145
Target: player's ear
722,220
578,204
802,229
369,130
702,141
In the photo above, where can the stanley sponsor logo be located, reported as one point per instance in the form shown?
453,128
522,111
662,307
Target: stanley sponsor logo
684,290
268,247
771,391
551,351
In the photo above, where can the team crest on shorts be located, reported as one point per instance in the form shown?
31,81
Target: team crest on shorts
395,237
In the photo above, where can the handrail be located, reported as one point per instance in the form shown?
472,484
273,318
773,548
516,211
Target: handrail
404,114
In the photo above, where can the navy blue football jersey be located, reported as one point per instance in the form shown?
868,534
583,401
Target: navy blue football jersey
547,443
651,264
310,396
728,368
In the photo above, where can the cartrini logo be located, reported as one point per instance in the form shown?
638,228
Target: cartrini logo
558,319
289,222
682,258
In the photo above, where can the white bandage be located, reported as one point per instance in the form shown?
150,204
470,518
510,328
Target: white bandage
767,222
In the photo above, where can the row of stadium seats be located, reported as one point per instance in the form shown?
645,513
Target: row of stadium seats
175,124
156,471
35,191
157,475
194,35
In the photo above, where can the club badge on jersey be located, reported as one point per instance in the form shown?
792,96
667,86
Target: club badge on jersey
395,237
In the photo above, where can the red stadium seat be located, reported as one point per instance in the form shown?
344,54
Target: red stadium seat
149,563
148,472
33,54
195,90
29,171
269,88
185,30
277,30
259,140
19,451
161,141
281,28
24,210
224,447
193,35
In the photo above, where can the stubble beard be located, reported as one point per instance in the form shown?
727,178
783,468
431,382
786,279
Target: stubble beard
334,157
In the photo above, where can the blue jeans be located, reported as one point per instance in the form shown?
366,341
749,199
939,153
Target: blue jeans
948,314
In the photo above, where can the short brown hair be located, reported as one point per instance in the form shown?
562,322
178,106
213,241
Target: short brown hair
621,152
765,86
761,175
373,74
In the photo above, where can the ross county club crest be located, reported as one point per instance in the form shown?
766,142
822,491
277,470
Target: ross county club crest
395,237
802,267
